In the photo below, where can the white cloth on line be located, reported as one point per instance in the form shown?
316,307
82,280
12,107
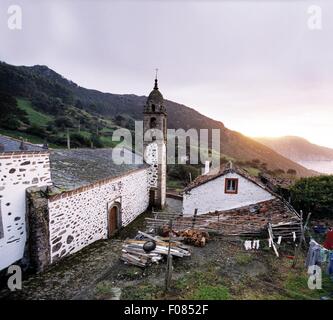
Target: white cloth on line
255,244
248,245
270,242
294,236
279,240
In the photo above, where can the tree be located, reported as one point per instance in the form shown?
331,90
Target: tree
38,131
79,141
64,122
96,141
182,172
314,194
11,114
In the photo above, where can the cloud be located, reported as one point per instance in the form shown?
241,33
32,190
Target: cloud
246,63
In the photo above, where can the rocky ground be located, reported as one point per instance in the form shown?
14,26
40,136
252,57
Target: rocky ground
221,270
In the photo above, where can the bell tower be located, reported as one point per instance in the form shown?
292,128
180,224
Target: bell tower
154,143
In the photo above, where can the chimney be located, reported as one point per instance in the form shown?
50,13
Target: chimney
207,165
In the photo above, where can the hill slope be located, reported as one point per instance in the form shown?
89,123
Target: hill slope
298,149
74,107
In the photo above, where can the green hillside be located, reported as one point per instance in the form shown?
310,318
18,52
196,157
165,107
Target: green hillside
35,117
49,106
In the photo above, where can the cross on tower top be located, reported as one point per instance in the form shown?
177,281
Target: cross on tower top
156,85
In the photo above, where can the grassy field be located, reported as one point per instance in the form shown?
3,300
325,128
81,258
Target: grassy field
34,116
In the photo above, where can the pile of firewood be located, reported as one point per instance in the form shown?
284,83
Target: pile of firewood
134,254
194,237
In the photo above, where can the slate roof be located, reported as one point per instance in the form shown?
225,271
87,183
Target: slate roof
71,169
228,168
231,168
9,144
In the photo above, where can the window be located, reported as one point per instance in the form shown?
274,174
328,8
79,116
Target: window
231,186
152,123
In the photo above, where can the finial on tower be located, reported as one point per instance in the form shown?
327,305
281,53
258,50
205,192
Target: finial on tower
156,85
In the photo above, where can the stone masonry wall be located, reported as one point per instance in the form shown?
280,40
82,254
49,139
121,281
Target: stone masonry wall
38,248
18,171
151,156
78,218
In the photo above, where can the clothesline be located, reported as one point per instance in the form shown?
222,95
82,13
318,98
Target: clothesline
318,255
255,244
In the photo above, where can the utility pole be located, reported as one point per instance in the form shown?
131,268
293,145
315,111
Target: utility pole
168,274
68,140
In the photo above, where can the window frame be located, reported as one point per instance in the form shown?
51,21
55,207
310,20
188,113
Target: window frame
226,185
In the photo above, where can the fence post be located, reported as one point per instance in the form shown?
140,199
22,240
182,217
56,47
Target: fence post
194,217
297,250
168,275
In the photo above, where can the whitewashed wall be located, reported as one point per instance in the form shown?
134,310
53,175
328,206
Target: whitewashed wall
210,196
18,171
151,157
81,217
163,175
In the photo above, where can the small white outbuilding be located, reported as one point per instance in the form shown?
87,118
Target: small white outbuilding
232,187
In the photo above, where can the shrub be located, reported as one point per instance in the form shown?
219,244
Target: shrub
292,172
64,122
37,130
314,194
79,141
96,141
182,172
11,114
278,172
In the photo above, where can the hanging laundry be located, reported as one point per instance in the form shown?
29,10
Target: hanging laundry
279,240
248,245
255,244
330,264
324,255
328,243
313,257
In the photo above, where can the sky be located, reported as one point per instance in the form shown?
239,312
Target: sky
254,65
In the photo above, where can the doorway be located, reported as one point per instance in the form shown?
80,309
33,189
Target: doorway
113,220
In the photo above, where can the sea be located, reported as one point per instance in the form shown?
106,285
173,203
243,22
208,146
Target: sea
322,166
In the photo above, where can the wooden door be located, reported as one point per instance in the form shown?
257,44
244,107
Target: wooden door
113,213
151,198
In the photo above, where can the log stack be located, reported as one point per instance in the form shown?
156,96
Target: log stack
134,254
190,236
194,237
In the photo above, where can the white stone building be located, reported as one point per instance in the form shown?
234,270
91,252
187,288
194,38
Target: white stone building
19,170
230,188
54,203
